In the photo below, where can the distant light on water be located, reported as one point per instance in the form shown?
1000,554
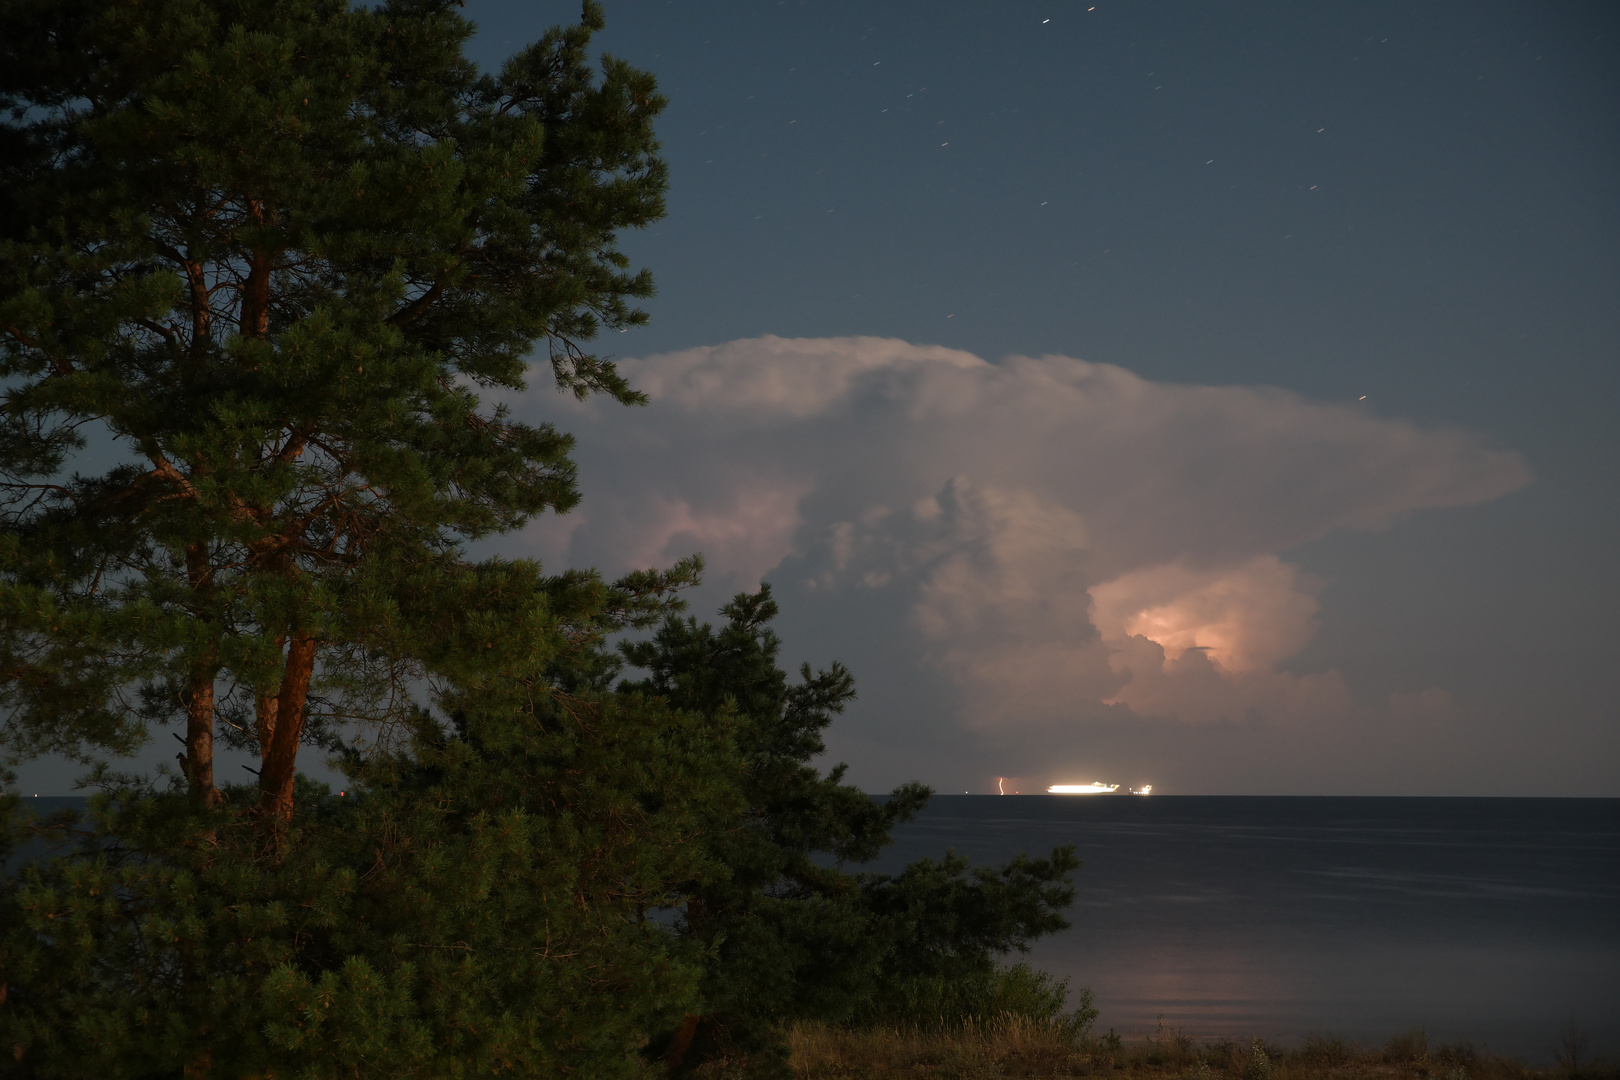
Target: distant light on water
1097,787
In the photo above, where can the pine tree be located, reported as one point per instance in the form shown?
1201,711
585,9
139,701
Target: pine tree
479,902
258,261
790,933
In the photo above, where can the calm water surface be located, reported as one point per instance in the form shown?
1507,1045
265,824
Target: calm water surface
1493,921
1487,920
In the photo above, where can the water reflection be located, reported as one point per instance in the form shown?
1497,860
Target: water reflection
1484,920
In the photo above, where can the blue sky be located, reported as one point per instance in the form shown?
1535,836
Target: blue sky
1390,572
1220,398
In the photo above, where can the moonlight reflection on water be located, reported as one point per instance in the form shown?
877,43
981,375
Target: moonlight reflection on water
1486,920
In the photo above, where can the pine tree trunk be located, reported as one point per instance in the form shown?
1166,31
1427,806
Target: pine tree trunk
279,754
264,711
199,763
676,1054
255,311
199,760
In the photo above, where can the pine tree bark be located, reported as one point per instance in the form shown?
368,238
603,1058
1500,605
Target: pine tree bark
199,694
676,1054
200,736
279,753
254,319
264,711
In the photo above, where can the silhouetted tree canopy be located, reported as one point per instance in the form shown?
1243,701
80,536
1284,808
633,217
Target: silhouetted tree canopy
267,268
793,934
259,260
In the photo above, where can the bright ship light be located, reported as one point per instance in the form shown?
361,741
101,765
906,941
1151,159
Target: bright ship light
1096,787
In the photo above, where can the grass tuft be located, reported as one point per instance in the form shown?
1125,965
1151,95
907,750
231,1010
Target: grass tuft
1011,1045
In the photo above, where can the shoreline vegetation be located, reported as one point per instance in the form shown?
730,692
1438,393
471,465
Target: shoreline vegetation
289,260
1019,1021
1012,1045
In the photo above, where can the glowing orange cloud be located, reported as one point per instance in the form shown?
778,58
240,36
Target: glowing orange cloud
1244,619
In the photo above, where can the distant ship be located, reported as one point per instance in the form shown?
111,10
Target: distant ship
1097,787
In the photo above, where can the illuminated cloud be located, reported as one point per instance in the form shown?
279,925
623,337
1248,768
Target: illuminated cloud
1243,618
1052,537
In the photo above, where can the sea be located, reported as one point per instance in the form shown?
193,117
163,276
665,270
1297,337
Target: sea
1488,921
1491,922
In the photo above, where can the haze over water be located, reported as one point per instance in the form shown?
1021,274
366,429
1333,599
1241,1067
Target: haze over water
1491,921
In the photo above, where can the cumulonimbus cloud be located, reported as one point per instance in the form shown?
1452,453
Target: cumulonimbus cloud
1054,534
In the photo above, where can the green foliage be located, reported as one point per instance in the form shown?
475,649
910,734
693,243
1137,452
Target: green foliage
485,898
479,903
258,261
956,919
790,933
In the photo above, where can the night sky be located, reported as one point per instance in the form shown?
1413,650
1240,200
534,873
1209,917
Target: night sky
1220,397
1215,397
